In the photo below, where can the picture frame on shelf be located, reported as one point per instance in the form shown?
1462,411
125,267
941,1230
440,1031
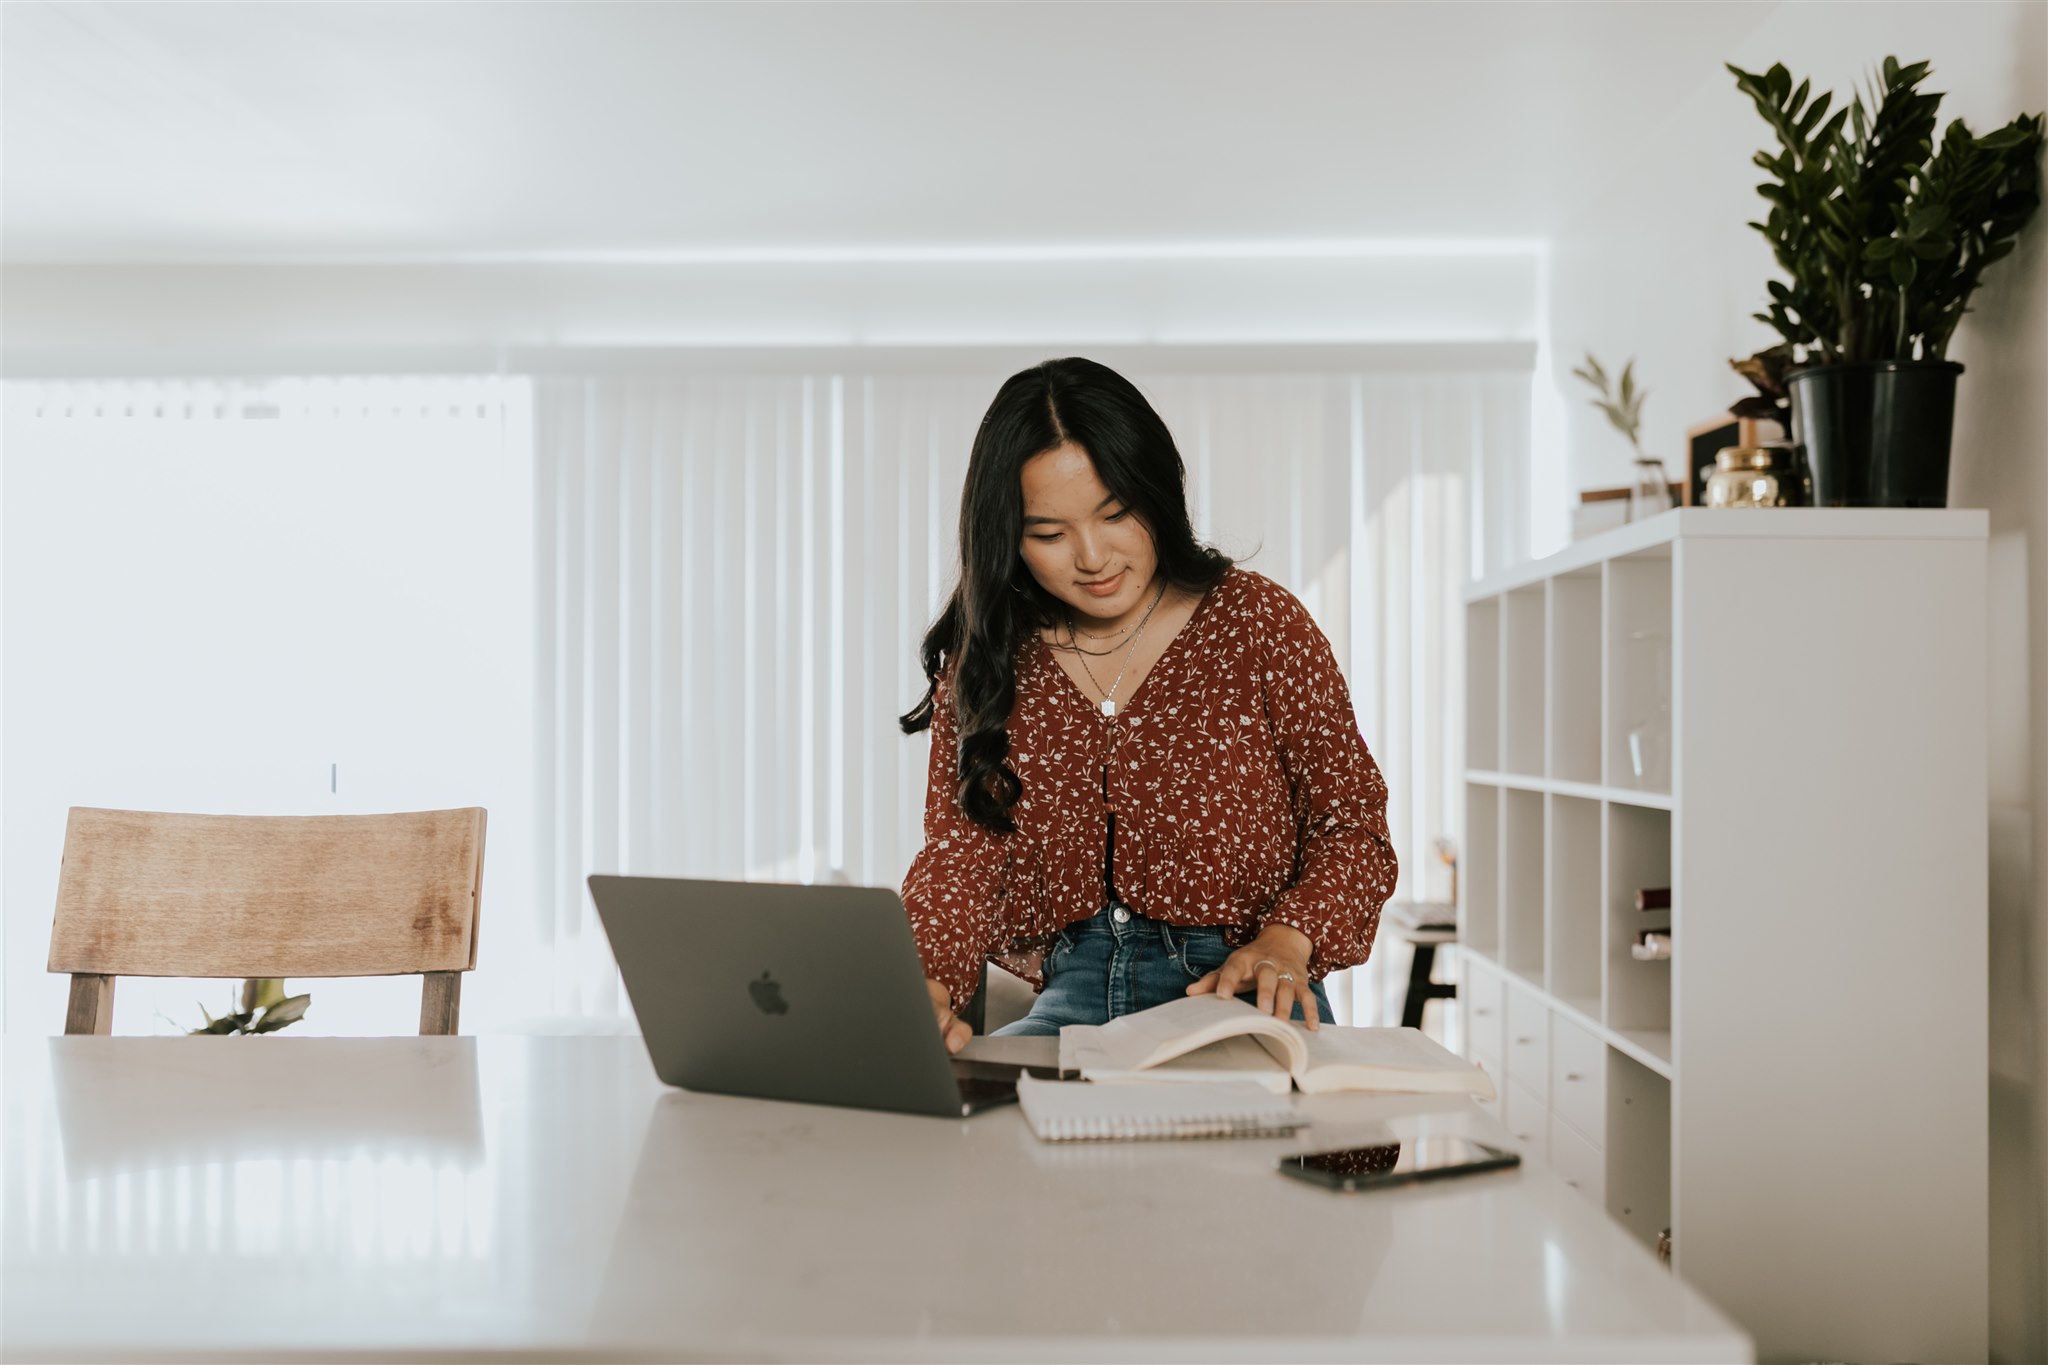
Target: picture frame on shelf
1603,509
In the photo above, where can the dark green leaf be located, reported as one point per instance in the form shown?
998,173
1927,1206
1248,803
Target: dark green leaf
282,1013
226,1024
1933,218
1814,115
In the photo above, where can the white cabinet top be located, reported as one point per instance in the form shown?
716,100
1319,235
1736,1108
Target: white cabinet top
1654,535
283,1198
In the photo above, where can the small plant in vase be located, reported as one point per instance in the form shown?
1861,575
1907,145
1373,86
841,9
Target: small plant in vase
1622,403
1762,468
1766,371
265,1009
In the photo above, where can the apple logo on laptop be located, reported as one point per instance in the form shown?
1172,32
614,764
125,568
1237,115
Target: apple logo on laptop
767,995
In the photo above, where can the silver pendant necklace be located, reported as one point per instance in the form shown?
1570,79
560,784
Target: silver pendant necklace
1089,635
1108,706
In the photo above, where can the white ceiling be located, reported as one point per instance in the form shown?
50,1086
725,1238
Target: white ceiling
426,131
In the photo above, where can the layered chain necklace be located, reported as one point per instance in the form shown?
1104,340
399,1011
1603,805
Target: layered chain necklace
1112,900
1108,704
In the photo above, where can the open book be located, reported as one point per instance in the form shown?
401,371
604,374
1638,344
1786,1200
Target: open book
1208,1038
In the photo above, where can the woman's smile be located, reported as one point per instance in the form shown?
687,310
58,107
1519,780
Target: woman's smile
1106,587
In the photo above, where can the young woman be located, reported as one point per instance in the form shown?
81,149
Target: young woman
1146,779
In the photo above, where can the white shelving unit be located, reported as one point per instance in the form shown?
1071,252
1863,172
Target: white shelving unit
1779,716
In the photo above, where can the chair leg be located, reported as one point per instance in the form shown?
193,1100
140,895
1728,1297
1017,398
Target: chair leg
1419,968
440,1002
92,1004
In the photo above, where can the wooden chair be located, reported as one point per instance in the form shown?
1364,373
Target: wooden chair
146,893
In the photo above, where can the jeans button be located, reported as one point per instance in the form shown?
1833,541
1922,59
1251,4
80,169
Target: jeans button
1121,914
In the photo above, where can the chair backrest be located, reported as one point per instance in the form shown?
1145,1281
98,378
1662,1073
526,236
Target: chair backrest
149,893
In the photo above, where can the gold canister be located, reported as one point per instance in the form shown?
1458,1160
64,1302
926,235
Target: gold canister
1755,476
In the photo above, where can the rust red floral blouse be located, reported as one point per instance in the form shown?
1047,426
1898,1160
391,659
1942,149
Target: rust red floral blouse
1244,795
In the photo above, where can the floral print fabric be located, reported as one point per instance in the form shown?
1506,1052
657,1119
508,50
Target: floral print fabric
1243,791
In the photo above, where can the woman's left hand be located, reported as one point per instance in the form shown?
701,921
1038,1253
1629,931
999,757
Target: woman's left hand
1277,963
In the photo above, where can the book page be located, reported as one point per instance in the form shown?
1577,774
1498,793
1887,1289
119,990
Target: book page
1391,1059
1027,1051
1240,1057
1163,1032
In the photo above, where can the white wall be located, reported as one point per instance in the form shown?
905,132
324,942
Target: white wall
1660,266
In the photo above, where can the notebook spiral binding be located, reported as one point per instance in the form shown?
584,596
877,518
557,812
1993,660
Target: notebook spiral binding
1128,1130
1079,1111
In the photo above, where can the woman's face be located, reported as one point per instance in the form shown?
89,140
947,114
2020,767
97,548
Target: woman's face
1081,544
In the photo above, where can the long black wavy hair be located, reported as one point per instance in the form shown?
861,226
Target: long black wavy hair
998,604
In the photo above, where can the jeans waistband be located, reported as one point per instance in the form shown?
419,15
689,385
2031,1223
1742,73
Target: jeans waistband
1105,923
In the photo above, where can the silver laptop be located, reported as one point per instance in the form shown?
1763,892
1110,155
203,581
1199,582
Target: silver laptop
811,993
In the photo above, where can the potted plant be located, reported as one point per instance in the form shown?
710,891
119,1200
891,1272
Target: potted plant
265,1009
1622,403
1884,239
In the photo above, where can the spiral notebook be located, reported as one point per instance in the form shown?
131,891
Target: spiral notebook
1082,1111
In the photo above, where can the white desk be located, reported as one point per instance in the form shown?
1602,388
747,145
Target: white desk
280,1198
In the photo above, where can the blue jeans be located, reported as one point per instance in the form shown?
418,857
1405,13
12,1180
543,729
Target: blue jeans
1099,969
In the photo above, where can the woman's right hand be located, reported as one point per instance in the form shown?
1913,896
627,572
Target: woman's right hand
952,1027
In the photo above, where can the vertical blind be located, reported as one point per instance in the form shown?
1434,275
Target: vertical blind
733,574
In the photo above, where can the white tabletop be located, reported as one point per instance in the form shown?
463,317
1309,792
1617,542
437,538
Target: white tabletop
174,1198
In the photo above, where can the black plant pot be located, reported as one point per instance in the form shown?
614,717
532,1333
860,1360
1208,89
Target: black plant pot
1876,433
